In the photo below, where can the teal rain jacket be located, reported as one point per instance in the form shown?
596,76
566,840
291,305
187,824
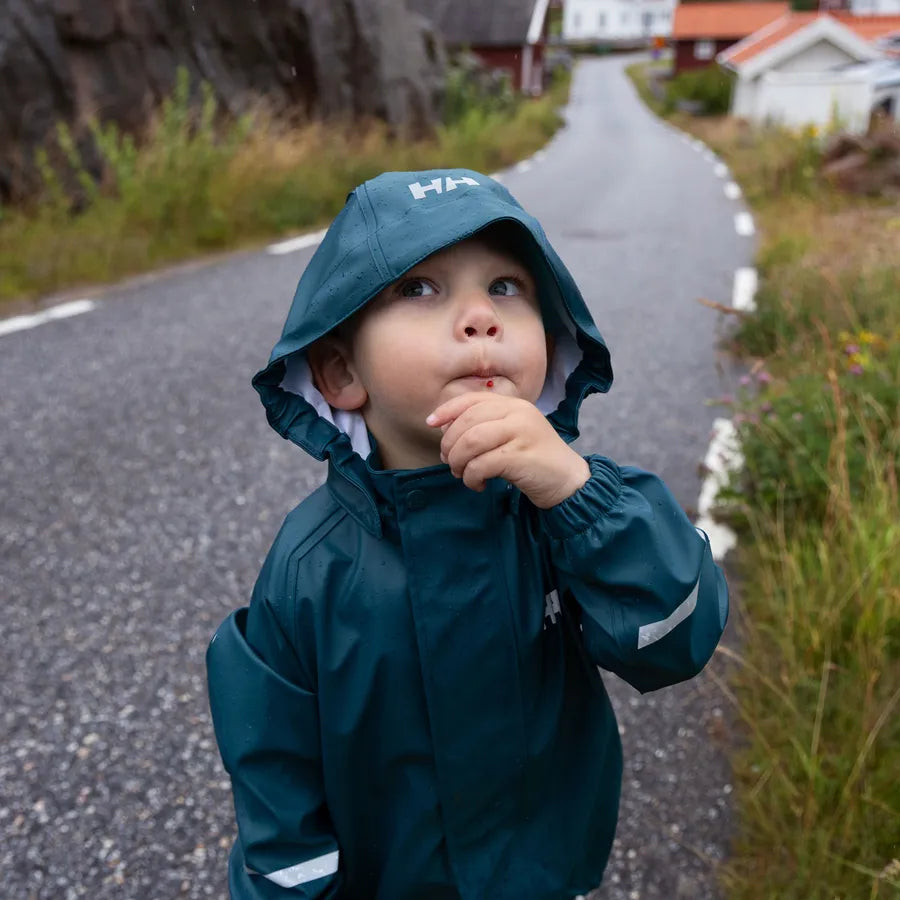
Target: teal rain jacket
411,707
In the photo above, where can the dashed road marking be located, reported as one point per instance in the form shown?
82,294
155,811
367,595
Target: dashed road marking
297,243
723,457
523,166
743,223
63,311
745,285
721,170
732,190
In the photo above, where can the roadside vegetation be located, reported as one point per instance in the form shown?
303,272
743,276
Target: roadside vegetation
198,183
816,680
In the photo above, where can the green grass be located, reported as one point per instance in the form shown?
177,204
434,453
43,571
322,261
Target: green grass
817,685
197,185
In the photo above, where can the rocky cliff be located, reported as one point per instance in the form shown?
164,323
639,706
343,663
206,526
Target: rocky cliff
66,60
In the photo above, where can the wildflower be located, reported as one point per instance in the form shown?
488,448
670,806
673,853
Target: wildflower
763,377
797,416
766,408
856,369
851,349
726,400
868,337
745,380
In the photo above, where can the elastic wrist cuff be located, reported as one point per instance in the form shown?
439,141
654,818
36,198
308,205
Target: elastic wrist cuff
599,495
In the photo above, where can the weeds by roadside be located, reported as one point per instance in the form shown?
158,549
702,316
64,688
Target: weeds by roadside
818,682
197,185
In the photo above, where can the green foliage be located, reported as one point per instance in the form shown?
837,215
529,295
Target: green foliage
709,88
472,91
792,428
199,180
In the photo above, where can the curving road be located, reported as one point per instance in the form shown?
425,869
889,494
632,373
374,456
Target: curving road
142,486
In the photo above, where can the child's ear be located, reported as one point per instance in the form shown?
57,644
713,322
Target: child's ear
334,374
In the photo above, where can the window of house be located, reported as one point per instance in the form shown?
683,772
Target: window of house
704,49
601,21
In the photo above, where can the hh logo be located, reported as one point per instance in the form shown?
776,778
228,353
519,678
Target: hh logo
439,186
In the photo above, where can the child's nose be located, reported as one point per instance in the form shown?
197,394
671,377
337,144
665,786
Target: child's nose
479,318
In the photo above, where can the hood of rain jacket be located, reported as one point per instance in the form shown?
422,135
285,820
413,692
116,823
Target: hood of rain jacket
410,706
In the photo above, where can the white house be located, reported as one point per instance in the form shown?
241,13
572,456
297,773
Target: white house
617,22
875,7
811,68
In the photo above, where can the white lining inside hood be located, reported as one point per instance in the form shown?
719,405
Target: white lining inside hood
298,380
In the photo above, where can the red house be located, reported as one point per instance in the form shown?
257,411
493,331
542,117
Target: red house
503,34
702,30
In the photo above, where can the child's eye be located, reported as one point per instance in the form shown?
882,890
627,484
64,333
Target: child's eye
506,287
416,287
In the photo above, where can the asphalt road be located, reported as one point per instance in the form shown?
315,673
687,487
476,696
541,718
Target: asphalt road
142,486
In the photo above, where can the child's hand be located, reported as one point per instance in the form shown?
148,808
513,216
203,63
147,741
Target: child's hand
488,436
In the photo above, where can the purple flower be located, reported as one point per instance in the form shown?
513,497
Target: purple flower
726,400
766,408
745,380
850,349
856,369
763,377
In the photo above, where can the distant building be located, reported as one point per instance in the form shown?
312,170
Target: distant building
813,68
874,7
617,23
703,30
504,34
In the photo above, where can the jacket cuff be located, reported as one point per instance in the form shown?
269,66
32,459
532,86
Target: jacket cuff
600,494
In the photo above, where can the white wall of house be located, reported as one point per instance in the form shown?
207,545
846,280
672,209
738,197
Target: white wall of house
875,7
797,99
617,20
820,56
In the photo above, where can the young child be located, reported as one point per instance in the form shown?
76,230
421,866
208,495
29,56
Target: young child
410,707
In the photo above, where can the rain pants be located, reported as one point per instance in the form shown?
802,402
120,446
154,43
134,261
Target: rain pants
411,706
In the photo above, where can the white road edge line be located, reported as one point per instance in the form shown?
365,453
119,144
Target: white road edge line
523,166
721,170
297,243
723,457
732,190
63,311
743,224
745,285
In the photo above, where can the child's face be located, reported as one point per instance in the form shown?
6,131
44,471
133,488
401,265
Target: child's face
463,317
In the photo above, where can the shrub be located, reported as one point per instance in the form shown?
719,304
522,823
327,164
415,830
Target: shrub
709,88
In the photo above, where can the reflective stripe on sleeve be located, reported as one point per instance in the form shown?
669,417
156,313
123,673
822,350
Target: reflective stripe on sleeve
306,871
650,634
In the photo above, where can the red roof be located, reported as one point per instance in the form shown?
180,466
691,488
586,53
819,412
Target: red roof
869,28
723,20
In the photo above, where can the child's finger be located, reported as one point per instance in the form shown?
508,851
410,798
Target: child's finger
448,411
482,438
492,464
474,415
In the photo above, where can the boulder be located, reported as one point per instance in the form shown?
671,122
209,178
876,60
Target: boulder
865,164
69,60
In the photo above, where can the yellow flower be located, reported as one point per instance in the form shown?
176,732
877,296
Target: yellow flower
867,337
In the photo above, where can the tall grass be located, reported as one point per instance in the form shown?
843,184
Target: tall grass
819,688
198,184
817,685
